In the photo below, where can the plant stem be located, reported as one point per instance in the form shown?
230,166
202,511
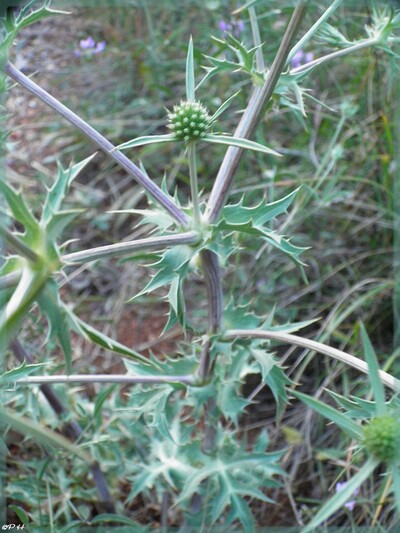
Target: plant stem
339,53
126,248
288,338
19,245
105,145
105,378
213,278
194,186
251,117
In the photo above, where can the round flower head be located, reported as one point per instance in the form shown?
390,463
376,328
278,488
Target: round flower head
189,121
382,438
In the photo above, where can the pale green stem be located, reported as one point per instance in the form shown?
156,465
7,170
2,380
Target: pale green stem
339,53
126,248
339,355
194,187
104,378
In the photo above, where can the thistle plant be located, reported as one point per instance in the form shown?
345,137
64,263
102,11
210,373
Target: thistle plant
187,452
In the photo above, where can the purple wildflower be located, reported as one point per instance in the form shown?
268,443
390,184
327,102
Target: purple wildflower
239,27
234,26
308,57
89,47
300,58
224,26
100,47
89,42
350,504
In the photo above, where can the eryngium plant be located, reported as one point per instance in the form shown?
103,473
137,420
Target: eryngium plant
185,407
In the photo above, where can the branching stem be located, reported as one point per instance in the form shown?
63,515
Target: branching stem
105,378
126,248
251,117
288,338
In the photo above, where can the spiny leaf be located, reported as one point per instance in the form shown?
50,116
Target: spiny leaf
172,269
19,372
285,246
357,408
101,339
277,381
20,211
230,402
181,364
341,420
265,361
59,221
237,317
27,17
259,214
154,404
57,192
290,327
51,306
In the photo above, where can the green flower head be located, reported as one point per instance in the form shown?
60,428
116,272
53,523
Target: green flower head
382,438
189,121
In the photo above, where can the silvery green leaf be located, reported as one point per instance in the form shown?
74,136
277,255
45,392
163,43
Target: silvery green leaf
59,189
373,367
237,317
240,143
147,139
88,331
277,381
190,84
59,221
21,371
21,213
171,270
259,214
337,417
50,305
